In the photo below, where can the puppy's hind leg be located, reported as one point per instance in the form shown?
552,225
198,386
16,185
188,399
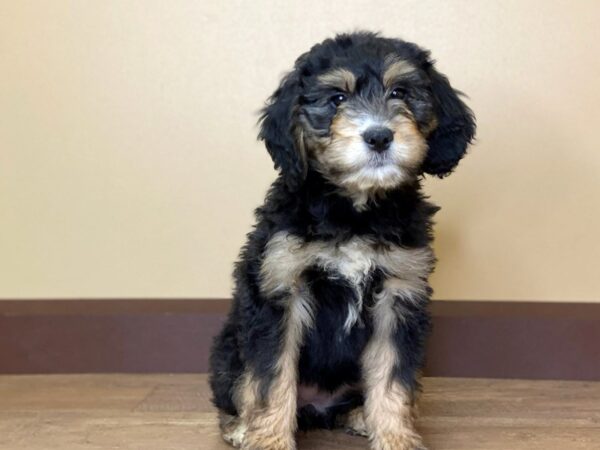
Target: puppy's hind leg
225,372
269,402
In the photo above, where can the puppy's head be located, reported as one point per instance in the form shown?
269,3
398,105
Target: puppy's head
368,113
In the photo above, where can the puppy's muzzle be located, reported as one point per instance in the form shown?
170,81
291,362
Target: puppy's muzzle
378,139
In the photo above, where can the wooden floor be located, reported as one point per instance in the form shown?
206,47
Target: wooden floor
173,412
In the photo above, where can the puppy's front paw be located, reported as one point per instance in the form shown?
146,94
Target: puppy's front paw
354,423
400,441
233,429
257,440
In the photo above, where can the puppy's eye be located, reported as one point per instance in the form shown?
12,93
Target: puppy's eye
338,99
398,93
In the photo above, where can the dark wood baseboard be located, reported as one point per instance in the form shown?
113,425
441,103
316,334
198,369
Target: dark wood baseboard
470,339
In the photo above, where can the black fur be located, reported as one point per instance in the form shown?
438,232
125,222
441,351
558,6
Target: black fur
303,203
277,131
456,127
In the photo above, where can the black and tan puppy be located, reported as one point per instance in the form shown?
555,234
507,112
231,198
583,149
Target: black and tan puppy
330,317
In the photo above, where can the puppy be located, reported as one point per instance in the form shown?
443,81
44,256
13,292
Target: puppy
329,319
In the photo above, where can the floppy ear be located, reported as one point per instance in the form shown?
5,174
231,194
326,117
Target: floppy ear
277,130
455,127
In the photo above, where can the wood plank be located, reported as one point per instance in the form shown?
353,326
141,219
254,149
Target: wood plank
159,412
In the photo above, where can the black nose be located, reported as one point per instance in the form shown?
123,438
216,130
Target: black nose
379,138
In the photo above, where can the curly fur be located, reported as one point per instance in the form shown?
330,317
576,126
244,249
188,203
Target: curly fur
331,287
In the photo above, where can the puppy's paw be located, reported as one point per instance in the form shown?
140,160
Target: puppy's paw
233,430
362,432
401,441
235,438
264,441
354,423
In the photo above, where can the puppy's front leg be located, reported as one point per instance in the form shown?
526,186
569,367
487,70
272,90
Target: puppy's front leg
388,409
269,406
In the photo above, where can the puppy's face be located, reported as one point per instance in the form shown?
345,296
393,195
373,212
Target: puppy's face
368,113
364,123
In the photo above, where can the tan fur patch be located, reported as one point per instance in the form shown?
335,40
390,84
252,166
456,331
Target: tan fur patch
412,145
246,394
388,405
396,68
339,78
272,423
344,158
430,127
287,256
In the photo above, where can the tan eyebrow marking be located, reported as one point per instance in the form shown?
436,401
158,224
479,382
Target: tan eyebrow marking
396,69
341,79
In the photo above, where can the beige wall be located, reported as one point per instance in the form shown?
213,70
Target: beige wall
129,167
